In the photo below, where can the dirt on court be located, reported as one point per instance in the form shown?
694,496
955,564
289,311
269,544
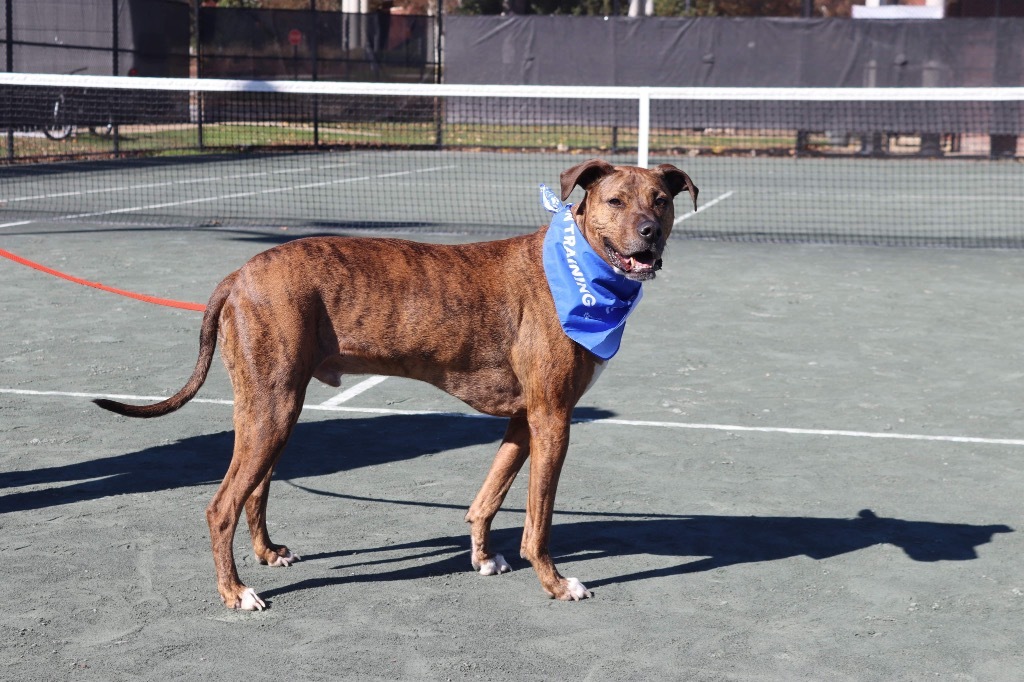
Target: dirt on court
805,464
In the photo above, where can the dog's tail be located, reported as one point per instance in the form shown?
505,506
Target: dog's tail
207,344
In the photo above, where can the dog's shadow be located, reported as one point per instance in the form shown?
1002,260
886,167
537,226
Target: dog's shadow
687,543
315,448
702,543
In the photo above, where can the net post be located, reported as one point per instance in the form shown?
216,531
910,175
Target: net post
643,135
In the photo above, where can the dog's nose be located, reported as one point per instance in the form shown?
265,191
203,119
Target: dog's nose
649,230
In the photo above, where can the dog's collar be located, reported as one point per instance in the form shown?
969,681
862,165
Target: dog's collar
592,299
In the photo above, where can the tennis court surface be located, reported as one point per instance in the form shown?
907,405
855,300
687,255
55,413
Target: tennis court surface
805,463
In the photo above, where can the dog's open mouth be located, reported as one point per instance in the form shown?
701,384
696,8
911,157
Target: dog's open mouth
641,265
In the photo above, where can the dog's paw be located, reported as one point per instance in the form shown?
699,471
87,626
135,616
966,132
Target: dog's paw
250,601
574,590
286,560
495,566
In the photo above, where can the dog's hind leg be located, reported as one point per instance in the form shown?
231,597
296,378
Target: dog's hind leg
515,448
265,551
262,426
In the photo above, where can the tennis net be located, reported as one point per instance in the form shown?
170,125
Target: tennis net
916,166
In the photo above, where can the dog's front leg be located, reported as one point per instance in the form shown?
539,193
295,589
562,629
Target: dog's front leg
549,441
515,448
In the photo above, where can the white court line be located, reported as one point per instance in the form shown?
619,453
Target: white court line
235,195
108,396
614,422
703,207
166,183
352,392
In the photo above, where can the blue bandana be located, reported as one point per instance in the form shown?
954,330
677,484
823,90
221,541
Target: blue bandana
592,299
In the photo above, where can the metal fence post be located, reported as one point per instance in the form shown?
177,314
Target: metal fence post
439,106
8,106
115,30
197,36
315,47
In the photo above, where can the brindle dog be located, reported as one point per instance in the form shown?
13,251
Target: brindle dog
476,320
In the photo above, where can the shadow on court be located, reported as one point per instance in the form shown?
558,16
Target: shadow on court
314,449
715,541
691,543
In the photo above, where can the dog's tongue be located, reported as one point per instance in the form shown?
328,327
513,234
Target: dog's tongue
638,262
630,263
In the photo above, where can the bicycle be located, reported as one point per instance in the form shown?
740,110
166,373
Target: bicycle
61,125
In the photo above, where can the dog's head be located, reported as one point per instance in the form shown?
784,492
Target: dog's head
627,212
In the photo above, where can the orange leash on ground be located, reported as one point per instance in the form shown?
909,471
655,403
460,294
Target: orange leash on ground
121,292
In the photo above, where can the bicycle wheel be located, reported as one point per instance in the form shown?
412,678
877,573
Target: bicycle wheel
58,128
102,130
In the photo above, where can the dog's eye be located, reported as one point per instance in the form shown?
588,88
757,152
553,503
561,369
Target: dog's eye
660,201
615,201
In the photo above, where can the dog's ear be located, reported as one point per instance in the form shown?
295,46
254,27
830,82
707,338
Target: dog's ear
584,175
676,181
